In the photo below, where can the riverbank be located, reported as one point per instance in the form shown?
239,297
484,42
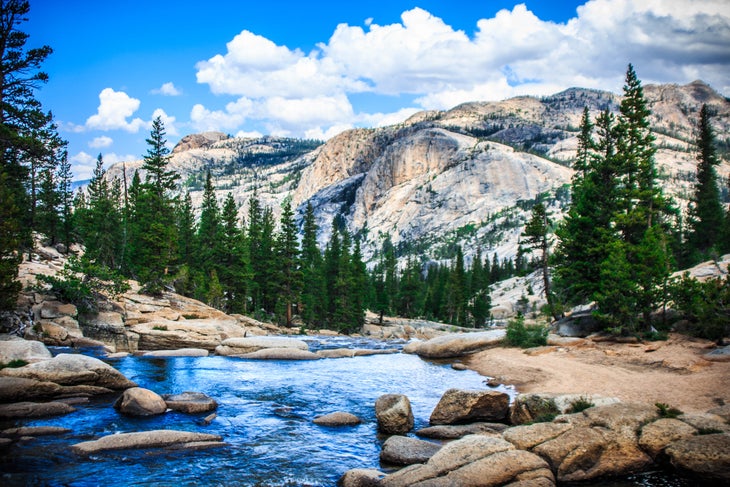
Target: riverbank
674,371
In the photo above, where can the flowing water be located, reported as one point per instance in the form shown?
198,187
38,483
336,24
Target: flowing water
265,416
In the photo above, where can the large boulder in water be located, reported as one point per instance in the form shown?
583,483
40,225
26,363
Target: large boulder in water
281,354
244,345
190,402
338,418
393,413
145,439
459,406
138,401
22,410
13,348
457,344
72,369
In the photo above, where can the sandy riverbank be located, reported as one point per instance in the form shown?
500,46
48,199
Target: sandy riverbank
672,371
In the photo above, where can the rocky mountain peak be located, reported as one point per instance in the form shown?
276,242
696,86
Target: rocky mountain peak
198,141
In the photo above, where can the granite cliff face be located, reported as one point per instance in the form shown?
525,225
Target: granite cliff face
463,176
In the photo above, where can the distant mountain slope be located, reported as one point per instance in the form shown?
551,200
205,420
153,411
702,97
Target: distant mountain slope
465,176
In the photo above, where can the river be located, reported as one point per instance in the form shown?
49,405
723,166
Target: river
265,416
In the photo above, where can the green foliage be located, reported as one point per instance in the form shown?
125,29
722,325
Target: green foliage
160,327
705,305
14,364
666,411
580,404
544,411
525,336
82,282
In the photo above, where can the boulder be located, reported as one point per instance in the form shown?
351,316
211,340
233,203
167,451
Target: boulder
526,437
280,354
393,413
208,333
13,348
704,455
338,418
452,432
721,354
243,345
361,477
35,431
459,406
56,309
402,450
336,353
14,389
721,411
536,407
456,344
181,352
656,436
145,439
138,401
190,402
21,410
705,422
474,460
72,369
53,332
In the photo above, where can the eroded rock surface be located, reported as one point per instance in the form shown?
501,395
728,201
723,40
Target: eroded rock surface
393,413
459,406
145,439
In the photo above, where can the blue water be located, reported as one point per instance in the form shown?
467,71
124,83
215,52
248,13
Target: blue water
265,415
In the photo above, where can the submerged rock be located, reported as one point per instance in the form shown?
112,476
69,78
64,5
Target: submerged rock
338,418
393,413
145,439
190,402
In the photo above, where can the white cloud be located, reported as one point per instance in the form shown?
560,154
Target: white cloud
167,89
101,142
114,109
167,120
83,164
512,53
255,134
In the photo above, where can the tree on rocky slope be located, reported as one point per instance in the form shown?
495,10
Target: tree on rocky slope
535,237
705,218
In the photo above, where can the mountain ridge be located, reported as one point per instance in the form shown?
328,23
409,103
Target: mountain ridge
462,176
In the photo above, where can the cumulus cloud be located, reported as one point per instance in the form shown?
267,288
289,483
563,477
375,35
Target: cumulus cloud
100,142
167,120
167,89
83,164
512,53
115,107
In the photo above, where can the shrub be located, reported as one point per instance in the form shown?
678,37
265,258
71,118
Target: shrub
580,404
525,336
666,411
705,305
14,364
160,327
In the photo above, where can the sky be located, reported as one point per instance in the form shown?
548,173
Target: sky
313,69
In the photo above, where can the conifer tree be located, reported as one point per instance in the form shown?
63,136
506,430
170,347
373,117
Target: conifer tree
233,259
535,237
208,234
457,289
705,211
313,309
65,200
287,258
154,214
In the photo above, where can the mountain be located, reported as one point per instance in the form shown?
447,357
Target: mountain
465,176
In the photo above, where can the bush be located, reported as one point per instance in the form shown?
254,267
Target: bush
580,404
666,411
705,305
14,364
525,336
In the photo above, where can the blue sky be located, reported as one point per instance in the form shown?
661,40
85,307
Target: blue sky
313,69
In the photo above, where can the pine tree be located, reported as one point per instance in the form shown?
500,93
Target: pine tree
154,215
456,293
705,211
47,220
287,258
235,267
313,309
535,237
208,234
10,235
65,200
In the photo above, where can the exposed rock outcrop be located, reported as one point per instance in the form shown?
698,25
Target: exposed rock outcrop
402,450
14,348
243,345
456,344
34,409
